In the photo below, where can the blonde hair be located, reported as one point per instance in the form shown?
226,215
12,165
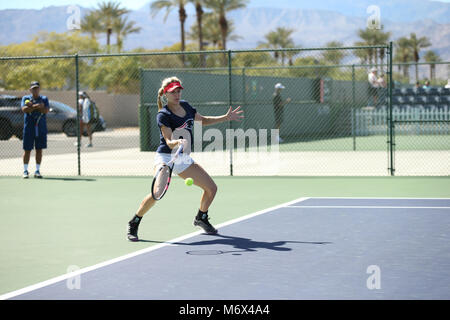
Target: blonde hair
164,84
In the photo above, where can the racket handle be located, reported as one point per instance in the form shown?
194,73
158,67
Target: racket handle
180,148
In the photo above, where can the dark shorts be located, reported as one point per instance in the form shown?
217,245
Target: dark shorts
31,140
278,112
373,91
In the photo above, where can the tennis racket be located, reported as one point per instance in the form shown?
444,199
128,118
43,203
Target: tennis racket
36,126
163,176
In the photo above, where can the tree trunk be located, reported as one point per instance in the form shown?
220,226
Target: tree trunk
108,38
405,69
199,10
417,72
416,59
376,57
183,16
224,30
370,53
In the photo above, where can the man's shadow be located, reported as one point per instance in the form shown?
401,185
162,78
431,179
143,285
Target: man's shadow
239,244
68,179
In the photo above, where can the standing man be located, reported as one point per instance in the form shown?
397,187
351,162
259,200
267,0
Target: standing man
34,107
84,104
278,107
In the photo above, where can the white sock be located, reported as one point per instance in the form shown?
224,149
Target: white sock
25,167
38,166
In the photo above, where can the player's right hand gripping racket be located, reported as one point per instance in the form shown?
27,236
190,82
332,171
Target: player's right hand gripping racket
163,176
37,119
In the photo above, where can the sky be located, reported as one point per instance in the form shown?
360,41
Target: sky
27,4
130,4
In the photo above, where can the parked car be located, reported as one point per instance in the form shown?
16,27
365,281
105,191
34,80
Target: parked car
60,118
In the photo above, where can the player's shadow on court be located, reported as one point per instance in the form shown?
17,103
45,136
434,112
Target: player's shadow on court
69,179
240,244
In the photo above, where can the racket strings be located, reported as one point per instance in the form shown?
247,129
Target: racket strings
161,182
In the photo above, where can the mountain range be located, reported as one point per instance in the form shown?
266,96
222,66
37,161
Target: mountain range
314,23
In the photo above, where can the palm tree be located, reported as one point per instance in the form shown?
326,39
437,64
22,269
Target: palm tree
403,54
211,31
91,24
431,57
221,8
122,27
382,38
333,56
272,42
158,5
199,14
109,12
368,39
416,44
373,37
280,38
362,55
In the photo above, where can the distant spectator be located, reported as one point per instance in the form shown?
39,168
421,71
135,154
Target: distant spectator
382,82
447,86
382,92
278,105
374,85
427,86
84,105
417,85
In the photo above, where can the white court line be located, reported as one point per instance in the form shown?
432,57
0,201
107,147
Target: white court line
365,207
381,198
136,253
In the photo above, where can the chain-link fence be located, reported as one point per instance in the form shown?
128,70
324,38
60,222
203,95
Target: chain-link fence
324,117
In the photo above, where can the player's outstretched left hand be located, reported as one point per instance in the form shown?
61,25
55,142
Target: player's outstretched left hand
234,115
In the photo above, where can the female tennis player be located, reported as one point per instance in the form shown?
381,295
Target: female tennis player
174,115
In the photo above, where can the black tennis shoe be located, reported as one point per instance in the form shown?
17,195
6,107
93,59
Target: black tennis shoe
202,222
133,226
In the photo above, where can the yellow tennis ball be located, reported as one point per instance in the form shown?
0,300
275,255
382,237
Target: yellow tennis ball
189,181
26,101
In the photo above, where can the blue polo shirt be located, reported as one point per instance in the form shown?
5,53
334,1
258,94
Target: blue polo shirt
166,118
29,119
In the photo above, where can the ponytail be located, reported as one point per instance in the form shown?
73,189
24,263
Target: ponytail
160,94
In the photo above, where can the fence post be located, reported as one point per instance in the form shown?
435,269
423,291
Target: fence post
391,121
353,107
77,89
230,124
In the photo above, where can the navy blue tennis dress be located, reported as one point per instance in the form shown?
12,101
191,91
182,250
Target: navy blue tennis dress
165,117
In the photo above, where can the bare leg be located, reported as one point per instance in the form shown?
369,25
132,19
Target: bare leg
38,156
26,156
89,132
146,204
203,180
81,130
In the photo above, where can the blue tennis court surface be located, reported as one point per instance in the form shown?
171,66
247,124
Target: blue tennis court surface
317,248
